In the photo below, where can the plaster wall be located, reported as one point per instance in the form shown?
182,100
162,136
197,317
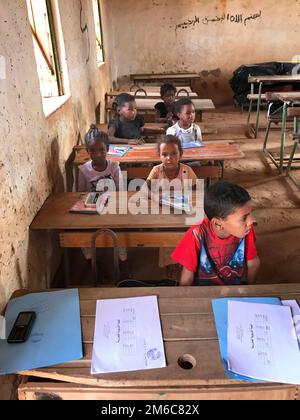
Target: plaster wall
34,148
211,38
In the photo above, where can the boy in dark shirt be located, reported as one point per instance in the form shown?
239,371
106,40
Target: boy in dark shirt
165,110
215,251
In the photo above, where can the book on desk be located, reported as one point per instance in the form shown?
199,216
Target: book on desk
192,144
118,151
177,201
90,203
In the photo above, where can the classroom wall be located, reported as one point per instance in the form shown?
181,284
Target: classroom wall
35,149
211,38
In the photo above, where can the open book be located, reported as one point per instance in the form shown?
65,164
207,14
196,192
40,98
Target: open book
117,150
177,201
88,205
192,144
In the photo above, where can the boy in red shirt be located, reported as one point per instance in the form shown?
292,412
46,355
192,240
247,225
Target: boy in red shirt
215,251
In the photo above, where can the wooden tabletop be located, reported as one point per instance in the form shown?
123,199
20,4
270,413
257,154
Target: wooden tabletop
55,215
283,96
188,328
274,78
148,154
164,76
148,104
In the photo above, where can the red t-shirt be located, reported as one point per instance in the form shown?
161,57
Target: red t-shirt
212,259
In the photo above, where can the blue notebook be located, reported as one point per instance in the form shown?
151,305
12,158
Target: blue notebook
192,144
220,309
55,336
117,150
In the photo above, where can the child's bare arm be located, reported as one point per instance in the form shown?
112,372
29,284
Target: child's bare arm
253,267
187,277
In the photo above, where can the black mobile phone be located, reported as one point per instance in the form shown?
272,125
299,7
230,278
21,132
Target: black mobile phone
22,327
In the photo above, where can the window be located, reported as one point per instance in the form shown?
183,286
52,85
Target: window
49,50
98,29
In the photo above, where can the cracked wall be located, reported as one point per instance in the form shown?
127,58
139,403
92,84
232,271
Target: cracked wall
34,149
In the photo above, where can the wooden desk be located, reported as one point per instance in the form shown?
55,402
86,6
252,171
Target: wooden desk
288,99
147,104
148,154
188,329
180,78
55,215
148,228
274,79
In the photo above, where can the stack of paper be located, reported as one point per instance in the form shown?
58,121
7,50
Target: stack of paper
257,338
127,335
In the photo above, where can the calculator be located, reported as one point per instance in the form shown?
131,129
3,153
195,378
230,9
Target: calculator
22,327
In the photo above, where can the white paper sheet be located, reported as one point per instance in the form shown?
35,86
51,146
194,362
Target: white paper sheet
2,328
127,335
262,343
296,315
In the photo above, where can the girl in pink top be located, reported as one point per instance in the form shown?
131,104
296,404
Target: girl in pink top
100,174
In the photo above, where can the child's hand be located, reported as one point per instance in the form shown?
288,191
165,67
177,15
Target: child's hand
136,141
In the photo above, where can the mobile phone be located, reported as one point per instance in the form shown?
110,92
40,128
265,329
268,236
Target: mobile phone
22,327
91,199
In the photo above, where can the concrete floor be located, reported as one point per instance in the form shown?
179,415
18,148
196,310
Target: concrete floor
276,202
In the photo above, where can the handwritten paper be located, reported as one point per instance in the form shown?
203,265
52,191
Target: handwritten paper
262,343
296,315
127,335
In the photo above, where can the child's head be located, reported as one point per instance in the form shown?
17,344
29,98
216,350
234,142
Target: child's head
97,144
170,150
228,207
185,111
167,93
125,106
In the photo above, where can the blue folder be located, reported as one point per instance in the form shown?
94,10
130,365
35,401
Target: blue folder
192,144
55,336
220,308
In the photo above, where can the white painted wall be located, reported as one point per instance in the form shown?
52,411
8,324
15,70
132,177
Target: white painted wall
146,38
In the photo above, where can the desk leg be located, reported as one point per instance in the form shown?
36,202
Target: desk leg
258,109
66,267
250,104
296,144
292,157
283,134
222,168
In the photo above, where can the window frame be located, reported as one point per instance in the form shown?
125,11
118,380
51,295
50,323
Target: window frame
98,44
